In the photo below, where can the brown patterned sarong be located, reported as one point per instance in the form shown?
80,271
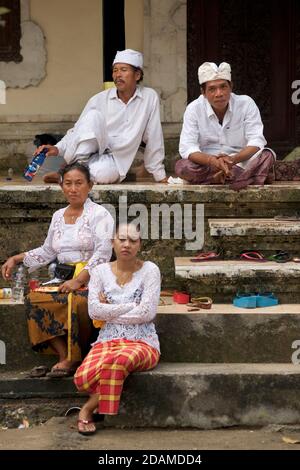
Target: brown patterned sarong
256,172
287,171
47,318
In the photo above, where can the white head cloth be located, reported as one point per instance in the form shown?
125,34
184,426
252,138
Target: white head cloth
129,56
210,71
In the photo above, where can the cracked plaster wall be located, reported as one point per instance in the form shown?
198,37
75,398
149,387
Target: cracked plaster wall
32,69
165,55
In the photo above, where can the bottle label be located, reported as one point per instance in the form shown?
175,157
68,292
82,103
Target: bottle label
34,165
5,293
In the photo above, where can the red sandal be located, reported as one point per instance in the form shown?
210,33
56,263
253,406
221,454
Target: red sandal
81,423
208,256
252,256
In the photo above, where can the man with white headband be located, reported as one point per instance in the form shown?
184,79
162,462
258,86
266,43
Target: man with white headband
222,135
113,125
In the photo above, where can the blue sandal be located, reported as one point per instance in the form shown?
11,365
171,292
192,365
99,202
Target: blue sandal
245,300
266,299
254,300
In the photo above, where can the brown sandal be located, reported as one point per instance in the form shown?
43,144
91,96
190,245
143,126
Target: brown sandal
38,371
85,422
58,373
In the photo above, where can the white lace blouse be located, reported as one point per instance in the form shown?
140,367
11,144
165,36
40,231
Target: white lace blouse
88,239
131,309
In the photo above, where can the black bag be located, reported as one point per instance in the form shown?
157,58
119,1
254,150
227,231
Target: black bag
64,271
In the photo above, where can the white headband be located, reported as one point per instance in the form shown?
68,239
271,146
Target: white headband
129,56
210,71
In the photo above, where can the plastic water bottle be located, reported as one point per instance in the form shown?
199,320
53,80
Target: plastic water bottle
34,165
19,283
51,270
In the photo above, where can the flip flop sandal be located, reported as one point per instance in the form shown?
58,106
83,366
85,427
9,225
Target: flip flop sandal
201,302
245,300
266,299
280,257
39,371
84,422
208,256
59,373
181,297
252,256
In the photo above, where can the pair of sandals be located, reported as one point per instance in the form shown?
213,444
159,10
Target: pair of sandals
278,257
255,300
55,373
198,303
206,256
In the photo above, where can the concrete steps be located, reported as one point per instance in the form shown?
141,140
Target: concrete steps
224,334
220,367
189,395
227,334
234,235
222,279
258,227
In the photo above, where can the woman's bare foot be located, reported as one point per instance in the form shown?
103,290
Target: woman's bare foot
85,423
65,364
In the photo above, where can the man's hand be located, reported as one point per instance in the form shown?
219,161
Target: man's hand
69,286
227,159
103,299
221,163
52,150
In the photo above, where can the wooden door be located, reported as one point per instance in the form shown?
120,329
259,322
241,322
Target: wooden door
260,40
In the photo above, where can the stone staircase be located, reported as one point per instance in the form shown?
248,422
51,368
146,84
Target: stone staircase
220,367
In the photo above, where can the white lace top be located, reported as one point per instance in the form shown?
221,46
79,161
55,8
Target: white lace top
131,309
88,239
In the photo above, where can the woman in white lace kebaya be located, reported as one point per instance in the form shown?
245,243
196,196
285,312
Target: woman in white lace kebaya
125,294
79,234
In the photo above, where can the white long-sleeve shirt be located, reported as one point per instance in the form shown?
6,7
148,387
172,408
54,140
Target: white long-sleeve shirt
127,126
89,239
242,126
131,308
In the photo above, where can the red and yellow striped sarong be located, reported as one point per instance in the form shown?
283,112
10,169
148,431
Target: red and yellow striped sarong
106,367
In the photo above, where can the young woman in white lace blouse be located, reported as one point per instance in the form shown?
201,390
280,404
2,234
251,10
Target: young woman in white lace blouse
125,294
78,234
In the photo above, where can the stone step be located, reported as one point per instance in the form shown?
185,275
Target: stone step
224,334
227,334
26,211
222,279
259,227
181,395
234,235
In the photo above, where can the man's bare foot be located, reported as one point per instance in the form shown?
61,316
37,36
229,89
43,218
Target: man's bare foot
52,178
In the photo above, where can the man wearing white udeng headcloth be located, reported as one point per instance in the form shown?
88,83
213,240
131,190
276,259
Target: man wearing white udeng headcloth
222,135
113,125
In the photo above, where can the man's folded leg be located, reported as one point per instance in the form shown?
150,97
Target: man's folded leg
194,173
103,169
